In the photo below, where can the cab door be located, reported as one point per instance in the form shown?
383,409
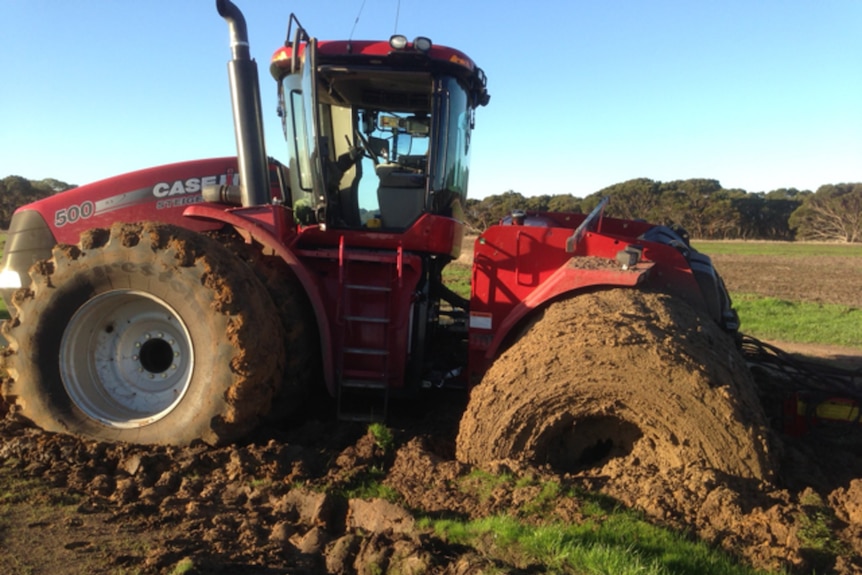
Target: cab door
307,149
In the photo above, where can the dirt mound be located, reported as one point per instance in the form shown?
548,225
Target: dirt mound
227,510
294,503
620,375
308,499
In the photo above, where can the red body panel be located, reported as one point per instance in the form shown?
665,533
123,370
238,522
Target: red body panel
518,269
157,194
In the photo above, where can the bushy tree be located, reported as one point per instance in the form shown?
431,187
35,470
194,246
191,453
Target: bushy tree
832,213
565,203
631,200
16,191
700,205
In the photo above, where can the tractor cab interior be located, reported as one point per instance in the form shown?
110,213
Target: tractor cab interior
401,171
374,149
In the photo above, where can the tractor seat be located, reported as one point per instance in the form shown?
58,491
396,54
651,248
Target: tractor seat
400,195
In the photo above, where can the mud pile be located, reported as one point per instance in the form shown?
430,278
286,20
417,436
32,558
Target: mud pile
620,375
663,418
293,504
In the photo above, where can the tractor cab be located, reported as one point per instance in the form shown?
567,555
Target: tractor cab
378,132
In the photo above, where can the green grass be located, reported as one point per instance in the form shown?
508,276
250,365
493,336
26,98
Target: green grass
185,566
800,322
621,543
817,528
609,539
767,317
457,277
383,437
369,485
483,484
781,249
17,487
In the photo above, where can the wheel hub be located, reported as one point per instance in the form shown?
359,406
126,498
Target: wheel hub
126,358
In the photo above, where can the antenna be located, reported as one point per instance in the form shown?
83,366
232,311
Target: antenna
397,13
355,22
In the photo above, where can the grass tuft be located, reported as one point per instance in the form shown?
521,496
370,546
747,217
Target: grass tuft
623,544
383,437
802,322
184,567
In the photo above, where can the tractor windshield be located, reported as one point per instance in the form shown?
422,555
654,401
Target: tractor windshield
385,147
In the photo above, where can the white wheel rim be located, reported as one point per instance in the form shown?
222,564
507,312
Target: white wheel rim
126,358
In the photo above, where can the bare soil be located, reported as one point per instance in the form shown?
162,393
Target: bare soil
820,279
286,501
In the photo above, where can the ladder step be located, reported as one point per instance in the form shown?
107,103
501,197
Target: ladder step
363,384
366,319
363,400
362,374
366,351
364,287
363,392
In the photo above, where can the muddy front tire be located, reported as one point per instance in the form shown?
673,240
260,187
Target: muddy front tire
619,375
145,333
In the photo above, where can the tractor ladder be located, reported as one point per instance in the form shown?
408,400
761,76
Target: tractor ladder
371,286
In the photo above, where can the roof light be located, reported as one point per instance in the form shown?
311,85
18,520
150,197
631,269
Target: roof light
422,43
398,42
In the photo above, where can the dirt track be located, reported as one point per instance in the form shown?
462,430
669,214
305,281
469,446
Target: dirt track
282,504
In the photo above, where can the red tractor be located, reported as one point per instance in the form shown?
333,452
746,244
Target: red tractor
189,301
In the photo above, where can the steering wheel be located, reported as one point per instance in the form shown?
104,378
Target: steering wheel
366,148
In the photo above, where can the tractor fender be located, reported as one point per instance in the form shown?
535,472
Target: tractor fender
576,276
265,233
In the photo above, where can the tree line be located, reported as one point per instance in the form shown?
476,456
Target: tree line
701,206
16,191
704,208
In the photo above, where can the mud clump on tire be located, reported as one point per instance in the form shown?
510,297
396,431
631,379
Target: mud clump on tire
620,382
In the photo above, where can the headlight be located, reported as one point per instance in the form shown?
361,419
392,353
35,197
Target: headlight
422,43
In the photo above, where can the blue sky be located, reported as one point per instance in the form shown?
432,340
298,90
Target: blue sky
759,94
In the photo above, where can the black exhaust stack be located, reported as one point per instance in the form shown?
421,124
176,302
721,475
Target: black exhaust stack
247,117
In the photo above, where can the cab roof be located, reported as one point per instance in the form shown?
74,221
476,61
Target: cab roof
380,55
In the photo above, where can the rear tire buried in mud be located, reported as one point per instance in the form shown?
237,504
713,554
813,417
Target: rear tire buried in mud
146,333
619,374
300,386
